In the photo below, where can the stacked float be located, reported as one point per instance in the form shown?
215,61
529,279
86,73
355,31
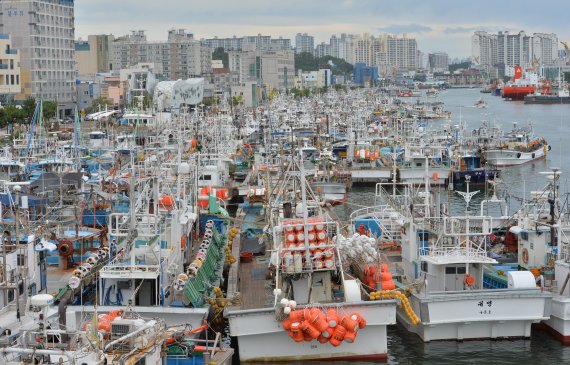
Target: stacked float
330,326
357,248
378,274
321,251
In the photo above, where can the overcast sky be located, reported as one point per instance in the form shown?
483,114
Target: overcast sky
438,25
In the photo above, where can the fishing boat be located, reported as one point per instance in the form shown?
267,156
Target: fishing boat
481,104
443,260
516,148
296,292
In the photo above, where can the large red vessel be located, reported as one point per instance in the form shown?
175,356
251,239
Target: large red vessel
519,87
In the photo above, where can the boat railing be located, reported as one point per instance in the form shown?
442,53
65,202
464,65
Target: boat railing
384,217
467,252
147,225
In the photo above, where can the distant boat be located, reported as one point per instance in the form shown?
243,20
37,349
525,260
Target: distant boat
481,104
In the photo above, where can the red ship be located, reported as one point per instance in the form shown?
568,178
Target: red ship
518,88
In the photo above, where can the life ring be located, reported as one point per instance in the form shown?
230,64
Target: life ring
525,255
65,247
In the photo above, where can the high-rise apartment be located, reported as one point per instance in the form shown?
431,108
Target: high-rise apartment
506,49
181,56
304,43
43,31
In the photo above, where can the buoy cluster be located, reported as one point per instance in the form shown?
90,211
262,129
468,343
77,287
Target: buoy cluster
198,261
294,253
404,302
330,326
358,247
103,322
230,259
218,304
374,274
87,266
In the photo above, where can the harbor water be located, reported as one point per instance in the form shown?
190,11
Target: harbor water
551,122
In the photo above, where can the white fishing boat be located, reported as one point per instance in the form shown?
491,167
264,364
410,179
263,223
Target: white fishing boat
517,148
443,261
286,318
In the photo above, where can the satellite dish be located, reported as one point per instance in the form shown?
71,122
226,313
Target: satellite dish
74,282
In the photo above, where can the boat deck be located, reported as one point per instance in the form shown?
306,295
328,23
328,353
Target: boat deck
248,278
256,292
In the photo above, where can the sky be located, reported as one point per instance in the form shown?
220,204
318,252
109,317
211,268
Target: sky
438,25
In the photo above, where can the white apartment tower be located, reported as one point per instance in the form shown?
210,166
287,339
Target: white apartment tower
304,43
43,31
518,49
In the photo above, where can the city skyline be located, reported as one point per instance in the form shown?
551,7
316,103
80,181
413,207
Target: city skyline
437,25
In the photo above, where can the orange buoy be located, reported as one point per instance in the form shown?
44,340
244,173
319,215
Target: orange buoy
287,324
435,177
349,337
348,323
193,143
328,333
386,276
334,342
309,330
297,316
469,280
388,285
384,268
222,194
166,200
339,333
322,339
332,317
183,242
358,319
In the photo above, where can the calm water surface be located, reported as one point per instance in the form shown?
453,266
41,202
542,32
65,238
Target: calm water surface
551,122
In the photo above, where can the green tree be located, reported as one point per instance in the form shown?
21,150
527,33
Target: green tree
220,54
237,100
102,102
49,109
29,107
11,115
307,62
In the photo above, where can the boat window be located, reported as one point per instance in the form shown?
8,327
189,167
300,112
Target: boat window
461,270
418,164
206,177
424,266
450,270
524,236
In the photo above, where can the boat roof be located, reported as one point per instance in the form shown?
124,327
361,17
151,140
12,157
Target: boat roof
458,259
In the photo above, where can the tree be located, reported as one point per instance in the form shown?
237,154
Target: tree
101,102
49,109
307,62
237,100
11,115
29,107
220,54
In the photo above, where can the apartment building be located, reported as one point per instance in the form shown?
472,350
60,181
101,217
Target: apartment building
43,32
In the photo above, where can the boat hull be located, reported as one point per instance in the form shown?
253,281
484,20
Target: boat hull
262,339
558,325
507,157
517,92
478,314
544,99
